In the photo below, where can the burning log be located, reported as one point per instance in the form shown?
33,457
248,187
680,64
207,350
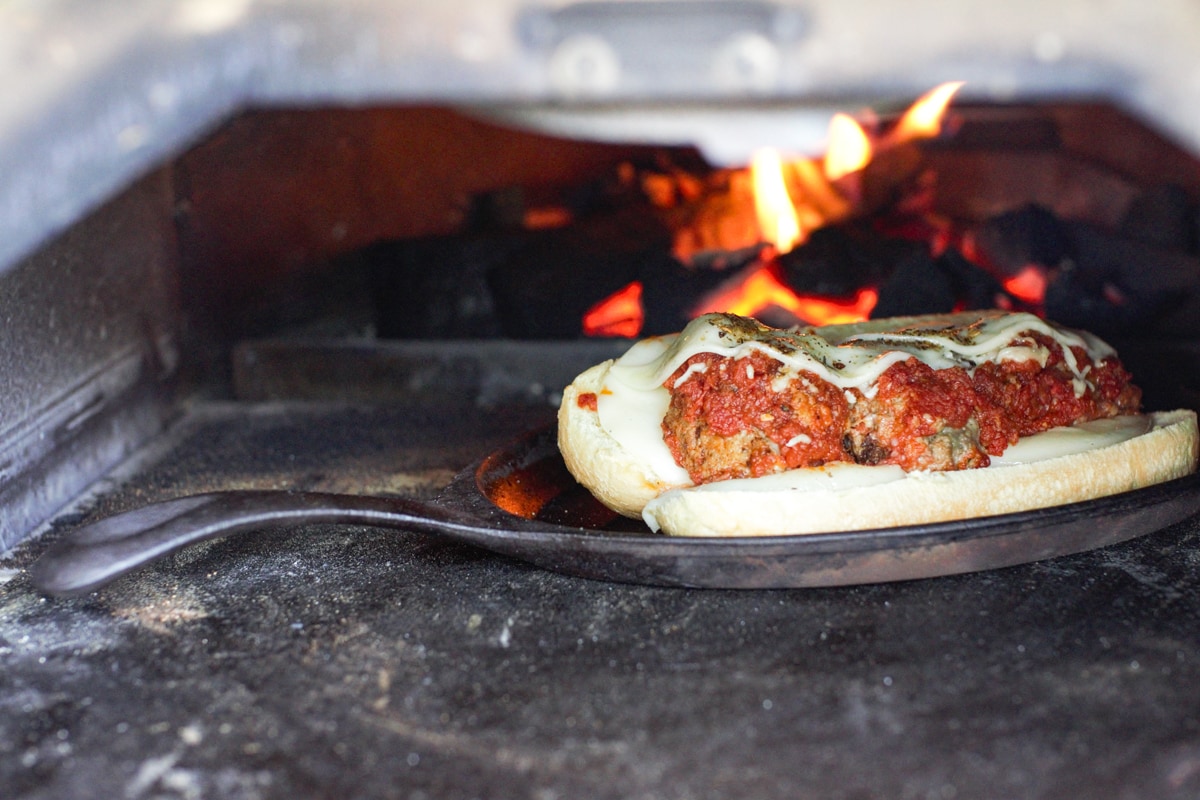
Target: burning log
923,284
782,201
1107,281
1115,284
1008,243
838,260
551,279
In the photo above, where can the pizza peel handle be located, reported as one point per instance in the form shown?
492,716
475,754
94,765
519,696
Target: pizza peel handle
98,553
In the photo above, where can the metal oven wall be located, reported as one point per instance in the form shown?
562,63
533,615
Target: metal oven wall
89,350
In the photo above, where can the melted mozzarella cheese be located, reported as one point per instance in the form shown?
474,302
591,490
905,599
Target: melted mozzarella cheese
633,415
1076,439
855,355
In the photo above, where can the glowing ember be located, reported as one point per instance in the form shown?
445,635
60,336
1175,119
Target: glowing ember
923,119
849,148
776,215
619,314
1029,285
763,289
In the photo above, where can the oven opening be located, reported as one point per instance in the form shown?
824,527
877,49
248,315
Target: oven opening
407,226
383,255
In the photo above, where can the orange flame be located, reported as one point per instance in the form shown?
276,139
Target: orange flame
790,198
923,119
762,289
776,214
849,148
619,314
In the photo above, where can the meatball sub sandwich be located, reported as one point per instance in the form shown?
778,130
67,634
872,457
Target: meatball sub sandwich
732,428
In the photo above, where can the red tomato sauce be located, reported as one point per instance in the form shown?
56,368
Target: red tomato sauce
750,416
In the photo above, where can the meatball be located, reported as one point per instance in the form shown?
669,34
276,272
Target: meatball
751,416
925,419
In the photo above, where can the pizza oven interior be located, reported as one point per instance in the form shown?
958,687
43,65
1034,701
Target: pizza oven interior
358,254
268,272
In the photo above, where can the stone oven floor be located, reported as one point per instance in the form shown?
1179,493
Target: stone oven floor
359,662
